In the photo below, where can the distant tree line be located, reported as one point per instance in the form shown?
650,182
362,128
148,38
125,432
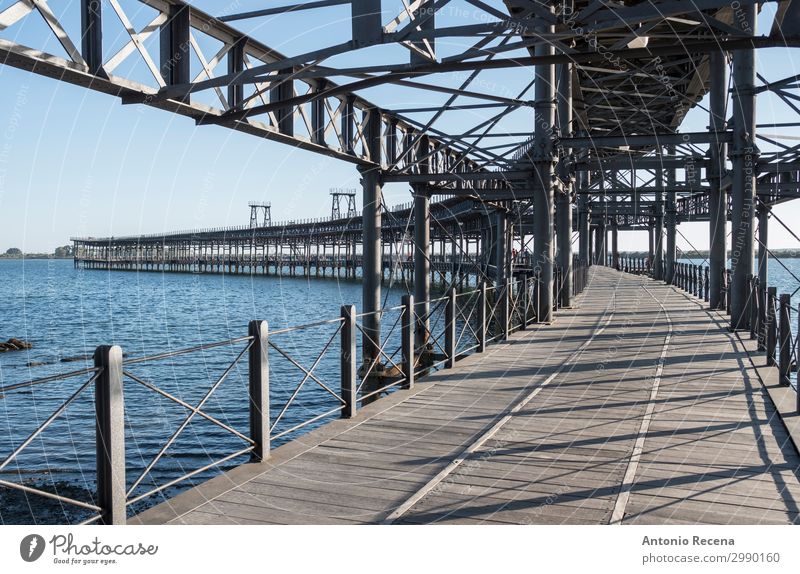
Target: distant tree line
60,252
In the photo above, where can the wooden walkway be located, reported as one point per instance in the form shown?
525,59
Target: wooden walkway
637,406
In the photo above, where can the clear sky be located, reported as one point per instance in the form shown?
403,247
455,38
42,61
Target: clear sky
75,162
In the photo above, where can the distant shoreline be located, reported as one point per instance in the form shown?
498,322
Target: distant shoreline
34,256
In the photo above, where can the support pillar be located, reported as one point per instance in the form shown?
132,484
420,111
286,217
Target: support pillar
372,248
717,198
763,234
500,258
599,243
614,245
584,219
544,160
564,198
658,229
743,157
92,35
422,267
671,217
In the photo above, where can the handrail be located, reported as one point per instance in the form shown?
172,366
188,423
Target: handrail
449,322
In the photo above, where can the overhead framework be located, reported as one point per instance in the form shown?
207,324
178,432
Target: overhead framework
590,140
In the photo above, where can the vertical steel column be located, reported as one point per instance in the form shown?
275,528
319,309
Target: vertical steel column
717,197
422,266
501,274
372,245
614,245
670,219
584,227
175,42
658,230
763,235
92,35
599,243
500,258
743,156
110,434
367,26
564,198
424,51
236,66
543,161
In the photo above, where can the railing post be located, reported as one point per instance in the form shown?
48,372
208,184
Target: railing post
109,407
482,317
408,324
258,368
348,362
450,328
785,366
728,291
797,358
503,309
526,300
762,317
706,285
771,334
753,295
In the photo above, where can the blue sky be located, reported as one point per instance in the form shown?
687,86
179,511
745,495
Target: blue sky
76,162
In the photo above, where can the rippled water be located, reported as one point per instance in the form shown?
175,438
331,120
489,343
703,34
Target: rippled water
66,313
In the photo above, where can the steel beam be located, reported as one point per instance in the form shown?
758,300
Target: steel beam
763,235
646,140
658,228
563,199
543,158
422,268
600,243
743,156
583,181
372,247
175,43
500,257
671,222
92,35
717,198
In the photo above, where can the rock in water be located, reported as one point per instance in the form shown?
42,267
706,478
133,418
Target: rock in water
14,345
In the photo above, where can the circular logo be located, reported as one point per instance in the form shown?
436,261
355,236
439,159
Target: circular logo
31,548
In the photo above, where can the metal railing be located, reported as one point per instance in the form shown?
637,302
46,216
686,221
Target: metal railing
634,265
454,326
96,378
770,317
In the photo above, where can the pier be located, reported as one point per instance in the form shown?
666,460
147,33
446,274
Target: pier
552,377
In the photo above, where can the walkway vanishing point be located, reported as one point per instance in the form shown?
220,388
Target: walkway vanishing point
635,406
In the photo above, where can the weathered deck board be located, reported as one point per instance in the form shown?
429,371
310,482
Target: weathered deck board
708,445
